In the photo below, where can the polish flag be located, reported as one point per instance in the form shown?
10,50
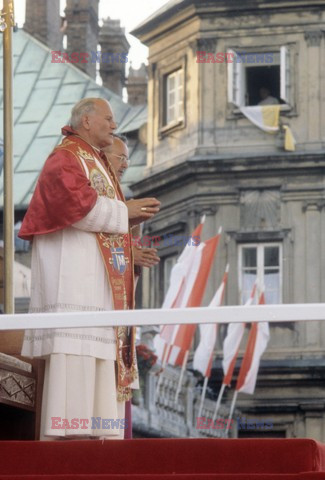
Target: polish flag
194,289
175,293
179,274
203,355
258,339
231,343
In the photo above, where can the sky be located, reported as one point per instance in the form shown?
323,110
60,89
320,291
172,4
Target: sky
130,12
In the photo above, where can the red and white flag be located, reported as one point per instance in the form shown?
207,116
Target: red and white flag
203,355
195,285
175,292
179,274
259,336
232,342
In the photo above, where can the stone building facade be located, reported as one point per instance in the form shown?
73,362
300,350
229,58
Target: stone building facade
206,157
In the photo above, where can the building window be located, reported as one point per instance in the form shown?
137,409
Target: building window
174,97
261,262
261,77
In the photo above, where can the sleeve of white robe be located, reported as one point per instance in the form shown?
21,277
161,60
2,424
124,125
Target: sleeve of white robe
108,216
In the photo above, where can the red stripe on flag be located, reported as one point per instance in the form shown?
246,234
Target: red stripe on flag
227,378
197,232
185,333
196,297
209,367
248,356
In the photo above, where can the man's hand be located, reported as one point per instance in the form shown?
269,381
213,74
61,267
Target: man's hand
145,257
142,209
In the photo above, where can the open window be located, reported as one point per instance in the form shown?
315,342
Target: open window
259,77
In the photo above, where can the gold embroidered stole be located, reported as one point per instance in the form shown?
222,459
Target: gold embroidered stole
116,252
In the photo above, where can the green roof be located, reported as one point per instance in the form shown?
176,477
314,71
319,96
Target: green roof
44,94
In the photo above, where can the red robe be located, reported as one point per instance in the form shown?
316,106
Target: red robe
63,194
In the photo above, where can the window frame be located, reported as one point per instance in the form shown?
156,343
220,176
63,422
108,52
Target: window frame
260,247
166,69
236,87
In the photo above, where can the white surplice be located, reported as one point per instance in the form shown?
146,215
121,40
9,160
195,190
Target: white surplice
68,274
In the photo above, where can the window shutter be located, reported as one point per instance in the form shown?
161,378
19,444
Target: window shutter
180,95
175,97
285,74
235,81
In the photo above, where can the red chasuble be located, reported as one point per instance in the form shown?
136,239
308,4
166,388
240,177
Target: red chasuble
63,196
73,176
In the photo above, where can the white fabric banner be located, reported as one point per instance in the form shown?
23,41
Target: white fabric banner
232,341
208,334
262,338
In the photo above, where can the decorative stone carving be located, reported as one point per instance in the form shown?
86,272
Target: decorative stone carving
17,388
204,45
208,210
313,205
313,37
260,209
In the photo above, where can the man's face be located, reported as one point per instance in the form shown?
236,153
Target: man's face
100,124
118,156
264,93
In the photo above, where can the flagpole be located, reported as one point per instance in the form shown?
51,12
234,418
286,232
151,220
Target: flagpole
8,204
159,381
163,365
232,408
181,376
205,384
222,389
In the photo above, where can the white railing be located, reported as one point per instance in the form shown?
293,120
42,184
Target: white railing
255,313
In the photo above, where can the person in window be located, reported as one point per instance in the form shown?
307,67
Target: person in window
267,98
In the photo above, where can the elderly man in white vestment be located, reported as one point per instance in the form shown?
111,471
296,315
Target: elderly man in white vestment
79,224
118,157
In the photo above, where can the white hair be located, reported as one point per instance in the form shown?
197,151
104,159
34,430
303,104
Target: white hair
83,107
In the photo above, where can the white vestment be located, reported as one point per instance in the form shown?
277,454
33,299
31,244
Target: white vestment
68,274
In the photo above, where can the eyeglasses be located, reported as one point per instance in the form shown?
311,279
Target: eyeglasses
122,158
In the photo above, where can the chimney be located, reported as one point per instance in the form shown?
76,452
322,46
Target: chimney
43,22
115,49
82,32
137,84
